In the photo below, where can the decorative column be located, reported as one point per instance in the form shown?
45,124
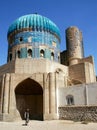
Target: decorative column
6,94
12,106
52,93
56,92
46,94
86,95
2,92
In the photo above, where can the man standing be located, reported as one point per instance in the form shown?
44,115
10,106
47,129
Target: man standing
26,116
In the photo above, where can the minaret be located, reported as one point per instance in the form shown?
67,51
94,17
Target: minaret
74,43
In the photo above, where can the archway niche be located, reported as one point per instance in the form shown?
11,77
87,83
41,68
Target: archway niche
29,95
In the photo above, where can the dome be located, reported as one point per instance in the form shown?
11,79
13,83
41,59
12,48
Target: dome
36,22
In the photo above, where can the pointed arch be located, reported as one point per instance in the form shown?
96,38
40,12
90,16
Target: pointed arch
29,95
70,99
18,53
52,56
29,53
10,56
42,53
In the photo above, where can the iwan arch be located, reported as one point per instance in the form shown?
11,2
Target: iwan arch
29,94
37,92
38,76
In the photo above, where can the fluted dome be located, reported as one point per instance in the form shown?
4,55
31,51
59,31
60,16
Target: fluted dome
33,36
36,22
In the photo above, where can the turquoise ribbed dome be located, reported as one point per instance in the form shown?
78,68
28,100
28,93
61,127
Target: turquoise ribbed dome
36,22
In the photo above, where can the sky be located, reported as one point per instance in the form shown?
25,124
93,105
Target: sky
64,13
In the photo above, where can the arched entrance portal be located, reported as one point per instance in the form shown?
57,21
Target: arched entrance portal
29,95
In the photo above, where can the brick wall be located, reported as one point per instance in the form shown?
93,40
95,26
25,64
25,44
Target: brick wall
83,72
87,59
78,113
77,72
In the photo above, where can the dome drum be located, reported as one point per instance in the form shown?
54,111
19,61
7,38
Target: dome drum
31,52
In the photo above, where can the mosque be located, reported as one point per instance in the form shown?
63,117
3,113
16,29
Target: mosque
41,78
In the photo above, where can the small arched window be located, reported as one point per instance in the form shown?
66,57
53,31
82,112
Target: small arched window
59,59
10,56
42,53
52,56
20,39
18,54
70,100
29,53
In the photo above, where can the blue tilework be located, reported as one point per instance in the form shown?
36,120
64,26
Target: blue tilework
36,53
47,54
38,38
36,22
23,52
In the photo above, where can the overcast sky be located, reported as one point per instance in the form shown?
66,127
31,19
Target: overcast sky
64,13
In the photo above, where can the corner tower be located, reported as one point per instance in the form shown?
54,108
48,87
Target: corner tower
74,42
33,36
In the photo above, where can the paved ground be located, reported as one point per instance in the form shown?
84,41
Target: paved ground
47,125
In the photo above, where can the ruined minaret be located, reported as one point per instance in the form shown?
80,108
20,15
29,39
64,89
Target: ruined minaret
74,43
